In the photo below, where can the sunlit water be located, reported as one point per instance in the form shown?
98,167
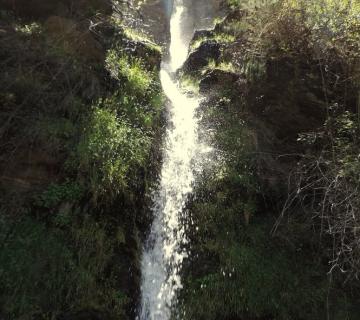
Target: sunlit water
165,251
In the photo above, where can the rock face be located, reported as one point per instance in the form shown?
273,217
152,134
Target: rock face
203,12
289,103
209,50
216,79
155,19
155,16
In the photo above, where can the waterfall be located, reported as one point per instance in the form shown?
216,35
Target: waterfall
164,250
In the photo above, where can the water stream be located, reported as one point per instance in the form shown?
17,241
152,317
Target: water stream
164,250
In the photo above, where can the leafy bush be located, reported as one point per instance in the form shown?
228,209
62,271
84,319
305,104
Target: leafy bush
130,68
327,30
220,37
57,193
109,152
223,65
143,113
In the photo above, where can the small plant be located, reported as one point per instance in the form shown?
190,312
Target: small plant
130,68
189,83
139,36
218,37
28,29
254,68
222,65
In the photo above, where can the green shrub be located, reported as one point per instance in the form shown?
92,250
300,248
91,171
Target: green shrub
143,113
110,151
57,193
130,68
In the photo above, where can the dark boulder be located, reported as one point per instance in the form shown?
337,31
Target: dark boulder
217,79
198,59
155,20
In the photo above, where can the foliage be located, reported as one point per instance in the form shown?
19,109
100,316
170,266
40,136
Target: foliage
109,149
220,37
57,193
129,68
189,83
223,65
53,133
139,36
29,29
142,112
326,30
92,134
254,278
38,262
326,184
239,269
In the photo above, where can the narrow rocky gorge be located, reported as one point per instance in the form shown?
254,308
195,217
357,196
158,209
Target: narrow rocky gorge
125,196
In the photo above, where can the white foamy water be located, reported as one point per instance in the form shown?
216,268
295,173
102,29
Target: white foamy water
164,251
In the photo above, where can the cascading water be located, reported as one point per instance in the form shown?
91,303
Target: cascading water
164,251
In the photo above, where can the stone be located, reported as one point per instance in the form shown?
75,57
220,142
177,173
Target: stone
199,58
155,19
217,80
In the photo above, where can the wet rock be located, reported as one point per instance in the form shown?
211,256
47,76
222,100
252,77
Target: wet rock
217,79
198,59
155,19
204,11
